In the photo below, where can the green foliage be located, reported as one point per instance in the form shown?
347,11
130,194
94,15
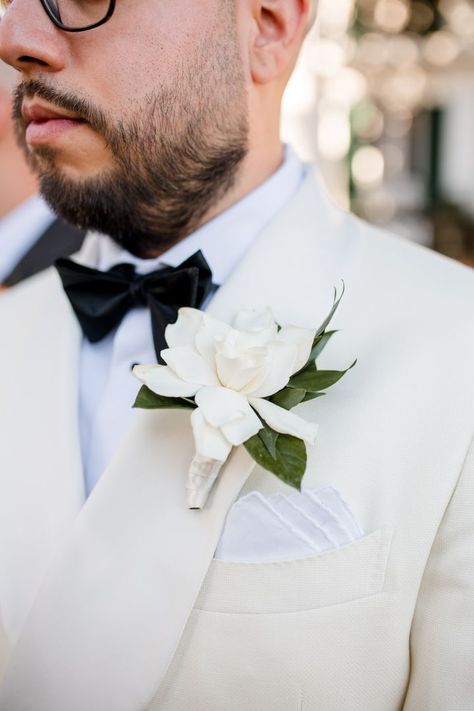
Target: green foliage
289,460
288,398
335,306
315,381
148,400
319,344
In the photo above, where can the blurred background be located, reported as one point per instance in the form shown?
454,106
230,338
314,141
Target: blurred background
383,100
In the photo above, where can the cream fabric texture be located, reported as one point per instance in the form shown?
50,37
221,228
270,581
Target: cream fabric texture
117,604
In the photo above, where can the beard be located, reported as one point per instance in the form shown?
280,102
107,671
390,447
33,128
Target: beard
173,159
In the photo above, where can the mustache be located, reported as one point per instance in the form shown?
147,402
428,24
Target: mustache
68,101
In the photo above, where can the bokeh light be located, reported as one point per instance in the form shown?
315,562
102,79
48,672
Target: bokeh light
389,114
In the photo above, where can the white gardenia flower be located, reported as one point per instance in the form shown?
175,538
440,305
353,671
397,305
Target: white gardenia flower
229,371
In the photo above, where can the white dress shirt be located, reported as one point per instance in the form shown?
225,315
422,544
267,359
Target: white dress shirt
107,386
20,229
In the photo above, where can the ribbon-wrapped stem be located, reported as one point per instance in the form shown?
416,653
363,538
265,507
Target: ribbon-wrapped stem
203,473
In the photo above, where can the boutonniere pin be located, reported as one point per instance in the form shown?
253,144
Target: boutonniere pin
240,382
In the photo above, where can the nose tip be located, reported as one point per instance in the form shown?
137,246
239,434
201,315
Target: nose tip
28,40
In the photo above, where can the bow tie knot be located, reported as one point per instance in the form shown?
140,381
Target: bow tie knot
138,290
136,282
100,300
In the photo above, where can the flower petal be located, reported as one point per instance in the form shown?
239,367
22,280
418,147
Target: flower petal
183,331
221,406
283,421
162,381
280,367
237,367
243,428
302,338
230,412
258,327
188,365
209,334
210,442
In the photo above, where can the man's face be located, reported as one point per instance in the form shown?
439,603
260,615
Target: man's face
148,114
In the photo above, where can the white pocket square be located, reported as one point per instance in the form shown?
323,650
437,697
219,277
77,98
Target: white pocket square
285,527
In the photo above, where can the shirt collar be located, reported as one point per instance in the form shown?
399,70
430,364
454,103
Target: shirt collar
223,240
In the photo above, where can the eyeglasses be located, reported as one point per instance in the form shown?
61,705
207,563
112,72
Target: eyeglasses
73,15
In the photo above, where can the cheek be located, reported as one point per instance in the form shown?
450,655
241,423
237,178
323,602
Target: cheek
142,50
120,81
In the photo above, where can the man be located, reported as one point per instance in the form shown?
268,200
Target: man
156,123
31,237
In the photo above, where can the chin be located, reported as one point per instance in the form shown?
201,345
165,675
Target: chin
79,174
69,163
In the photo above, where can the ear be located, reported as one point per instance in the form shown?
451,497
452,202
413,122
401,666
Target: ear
280,28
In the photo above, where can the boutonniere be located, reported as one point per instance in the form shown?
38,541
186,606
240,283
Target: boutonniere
240,382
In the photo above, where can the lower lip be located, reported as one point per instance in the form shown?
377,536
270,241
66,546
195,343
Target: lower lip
40,132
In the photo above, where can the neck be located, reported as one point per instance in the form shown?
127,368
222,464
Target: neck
264,157
17,182
257,167
254,171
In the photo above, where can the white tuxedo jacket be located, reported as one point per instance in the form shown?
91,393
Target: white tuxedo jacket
118,605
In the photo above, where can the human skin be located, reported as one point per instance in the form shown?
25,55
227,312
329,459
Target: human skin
16,179
117,67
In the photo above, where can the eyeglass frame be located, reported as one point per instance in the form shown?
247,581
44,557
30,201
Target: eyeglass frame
65,28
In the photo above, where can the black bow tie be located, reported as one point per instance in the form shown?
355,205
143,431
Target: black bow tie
101,299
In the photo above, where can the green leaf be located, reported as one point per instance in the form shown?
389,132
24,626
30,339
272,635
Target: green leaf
319,344
288,397
269,438
289,465
327,321
148,400
314,380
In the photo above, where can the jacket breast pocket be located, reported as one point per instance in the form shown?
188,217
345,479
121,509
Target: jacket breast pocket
351,572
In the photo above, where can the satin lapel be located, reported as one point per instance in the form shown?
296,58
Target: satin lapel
40,475
111,613
296,263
